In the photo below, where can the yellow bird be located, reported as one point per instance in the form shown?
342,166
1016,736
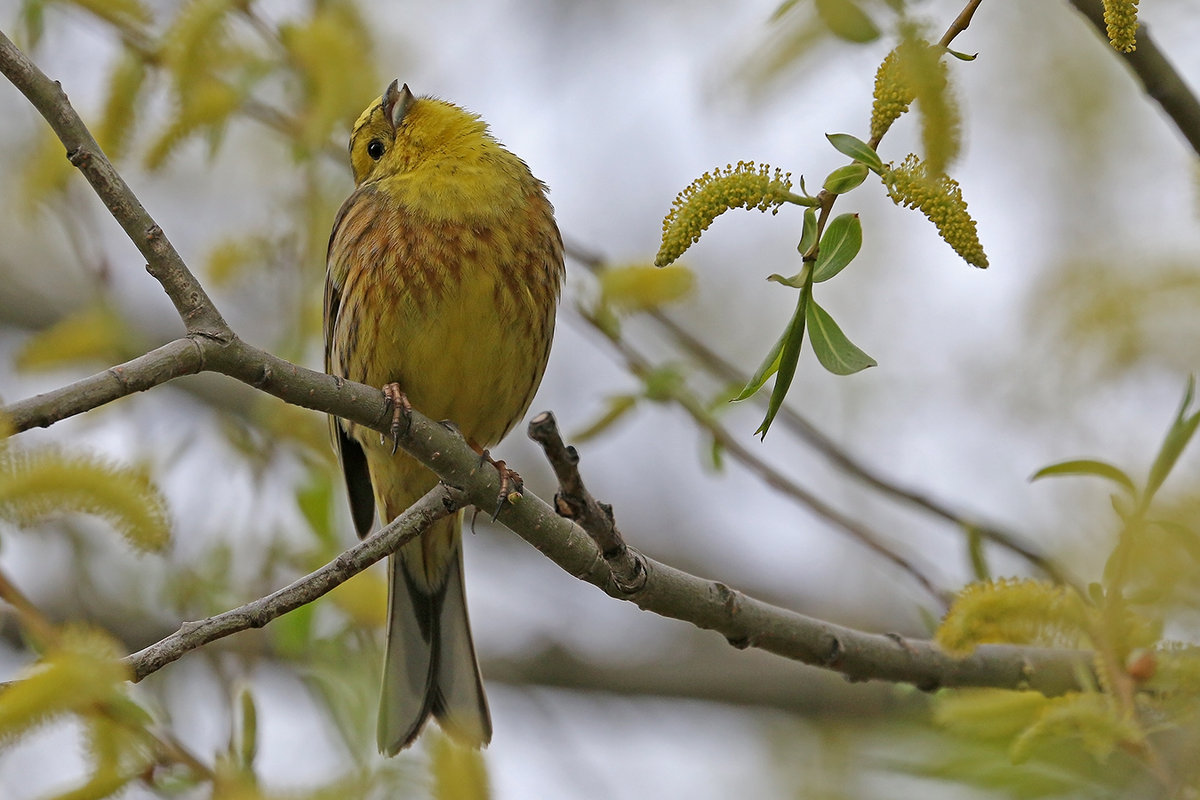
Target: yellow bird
444,269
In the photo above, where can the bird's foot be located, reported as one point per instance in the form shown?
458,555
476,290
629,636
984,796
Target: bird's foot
401,410
511,484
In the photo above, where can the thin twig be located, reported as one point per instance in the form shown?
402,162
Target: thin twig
960,23
576,503
434,505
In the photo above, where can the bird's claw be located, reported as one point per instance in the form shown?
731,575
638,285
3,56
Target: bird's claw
511,484
401,409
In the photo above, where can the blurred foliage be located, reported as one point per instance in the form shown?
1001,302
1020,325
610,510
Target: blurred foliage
458,773
1100,316
207,63
46,482
1145,690
915,70
80,674
98,335
203,61
799,26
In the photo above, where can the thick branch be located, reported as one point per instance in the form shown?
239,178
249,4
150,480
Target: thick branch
180,357
1158,76
436,503
742,620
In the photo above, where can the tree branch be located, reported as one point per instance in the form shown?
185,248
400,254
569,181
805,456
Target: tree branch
1162,82
574,502
437,503
180,357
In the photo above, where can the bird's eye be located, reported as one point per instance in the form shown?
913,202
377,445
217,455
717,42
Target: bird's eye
375,149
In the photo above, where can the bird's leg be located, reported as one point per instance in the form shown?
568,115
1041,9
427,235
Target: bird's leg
401,408
511,485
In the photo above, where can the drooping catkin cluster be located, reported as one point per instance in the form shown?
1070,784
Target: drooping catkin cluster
747,185
915,70
1120,17
939,197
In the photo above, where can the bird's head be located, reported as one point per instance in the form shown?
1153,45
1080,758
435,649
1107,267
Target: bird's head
400,133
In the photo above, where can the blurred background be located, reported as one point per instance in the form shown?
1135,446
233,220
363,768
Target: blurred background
1077,341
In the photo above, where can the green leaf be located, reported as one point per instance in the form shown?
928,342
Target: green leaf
782,9
245,749
1087,466
788,356
857,149
835,352
808,234
795,281
765,370
847,21
962,56
662,384
292,634
33,13
717,455
843,179
839,246
1177,438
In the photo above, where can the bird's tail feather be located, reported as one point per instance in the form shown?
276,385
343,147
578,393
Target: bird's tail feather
430,666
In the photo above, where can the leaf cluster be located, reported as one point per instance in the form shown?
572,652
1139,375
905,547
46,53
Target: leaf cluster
913,70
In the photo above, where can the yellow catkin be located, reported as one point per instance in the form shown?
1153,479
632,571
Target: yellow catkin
1120,17
940,199
1013,612
747,185
892,95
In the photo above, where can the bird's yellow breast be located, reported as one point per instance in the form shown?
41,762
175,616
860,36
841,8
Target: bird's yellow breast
458,312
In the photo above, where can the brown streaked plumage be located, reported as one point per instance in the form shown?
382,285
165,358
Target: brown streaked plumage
444,270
